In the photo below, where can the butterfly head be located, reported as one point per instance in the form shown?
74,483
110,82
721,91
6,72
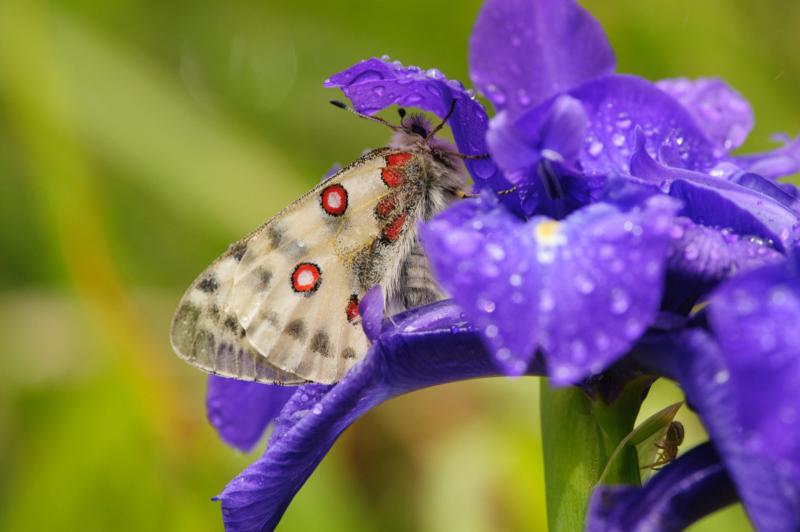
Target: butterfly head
417,132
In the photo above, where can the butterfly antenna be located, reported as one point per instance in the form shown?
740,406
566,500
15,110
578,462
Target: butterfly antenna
342,105
444,121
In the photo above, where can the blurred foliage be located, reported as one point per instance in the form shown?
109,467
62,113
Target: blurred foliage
138,138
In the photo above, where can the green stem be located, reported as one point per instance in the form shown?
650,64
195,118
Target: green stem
578,437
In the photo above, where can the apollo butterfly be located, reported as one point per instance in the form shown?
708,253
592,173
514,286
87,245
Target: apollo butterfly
281,305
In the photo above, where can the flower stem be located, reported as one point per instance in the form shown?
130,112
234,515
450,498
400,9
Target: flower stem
578,437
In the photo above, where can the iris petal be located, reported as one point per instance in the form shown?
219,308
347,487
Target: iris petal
743,382
240,411
691,487
428,346
582,290
525,51
724,115
375,84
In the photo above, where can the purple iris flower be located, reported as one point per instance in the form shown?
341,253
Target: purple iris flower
628,209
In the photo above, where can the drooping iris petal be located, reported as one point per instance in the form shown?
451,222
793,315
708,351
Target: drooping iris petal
538,153
743,382
582,290
241,410
618,106
784,193
524,51
424,347
557,127
781,162
722,113
720,203
701,257
691,487
375,84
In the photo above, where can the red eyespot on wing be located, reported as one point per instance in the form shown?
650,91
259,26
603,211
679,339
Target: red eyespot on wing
394,173
333,200
385,207
393,176
393,229
352,308
306,277
398,159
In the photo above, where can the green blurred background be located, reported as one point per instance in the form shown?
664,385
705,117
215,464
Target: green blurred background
137,139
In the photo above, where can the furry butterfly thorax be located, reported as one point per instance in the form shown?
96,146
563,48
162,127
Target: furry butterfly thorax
281,305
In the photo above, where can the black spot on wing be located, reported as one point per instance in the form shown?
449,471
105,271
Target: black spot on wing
185,327
232,324
275,236
208,284
264,278
296,329
320,343
238,250
348,353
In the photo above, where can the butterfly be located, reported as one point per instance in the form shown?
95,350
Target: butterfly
281,305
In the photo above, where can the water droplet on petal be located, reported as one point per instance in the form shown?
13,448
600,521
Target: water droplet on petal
579,351
722,376
620,301
495,251
496,94
595,148
584,284
433,73
546,301
317,409
618,140
378,90
486,305
491,331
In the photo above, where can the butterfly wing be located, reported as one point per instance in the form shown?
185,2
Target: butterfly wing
209,337
296,284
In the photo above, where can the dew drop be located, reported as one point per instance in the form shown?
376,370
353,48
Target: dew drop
602,341
546,301
317,410
503,353
491,331
618,140
691,252
620,301
378,90
722,376
515,279
584,284
494,93
495,251
433,73
595,148
486,305
578,350
523,98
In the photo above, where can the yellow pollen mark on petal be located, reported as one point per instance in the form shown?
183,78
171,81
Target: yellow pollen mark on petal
549,233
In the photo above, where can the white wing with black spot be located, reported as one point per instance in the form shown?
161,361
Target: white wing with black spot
288,293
